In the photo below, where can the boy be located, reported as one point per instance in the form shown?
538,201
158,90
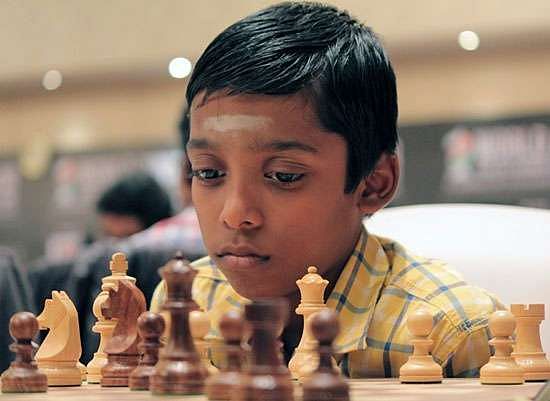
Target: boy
292,143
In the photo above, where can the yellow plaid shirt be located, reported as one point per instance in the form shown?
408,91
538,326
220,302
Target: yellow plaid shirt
380,285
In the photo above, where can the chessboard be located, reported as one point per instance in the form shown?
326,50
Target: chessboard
361,390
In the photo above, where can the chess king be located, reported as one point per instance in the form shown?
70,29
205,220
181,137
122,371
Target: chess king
291,133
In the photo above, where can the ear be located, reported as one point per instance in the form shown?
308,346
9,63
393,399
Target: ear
377,189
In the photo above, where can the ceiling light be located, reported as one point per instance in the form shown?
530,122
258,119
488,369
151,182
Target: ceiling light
52,80
179,67
468,40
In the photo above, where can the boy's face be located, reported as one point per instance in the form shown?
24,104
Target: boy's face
268,187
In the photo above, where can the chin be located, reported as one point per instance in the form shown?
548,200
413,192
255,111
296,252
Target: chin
255,291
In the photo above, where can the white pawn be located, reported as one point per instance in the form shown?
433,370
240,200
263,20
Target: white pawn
420,367
501,368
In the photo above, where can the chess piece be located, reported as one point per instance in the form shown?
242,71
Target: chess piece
501,368
266,378
125,304
179,369
60,351
312,290
528,351
150,327
221,386
325,383
23,376
200,326
420,367
104,327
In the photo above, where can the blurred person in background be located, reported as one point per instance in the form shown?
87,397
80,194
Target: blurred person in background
132,204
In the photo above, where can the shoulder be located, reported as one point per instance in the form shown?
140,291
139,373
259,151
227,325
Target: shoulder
439,285
459,308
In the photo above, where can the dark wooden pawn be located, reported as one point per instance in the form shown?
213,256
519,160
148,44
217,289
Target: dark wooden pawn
221,386
325,383
23,376
150,327
266,378
179,369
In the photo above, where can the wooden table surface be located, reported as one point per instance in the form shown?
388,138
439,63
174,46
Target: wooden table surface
361,390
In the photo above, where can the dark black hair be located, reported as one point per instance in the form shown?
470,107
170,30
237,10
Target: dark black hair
136,194
184,127
322,51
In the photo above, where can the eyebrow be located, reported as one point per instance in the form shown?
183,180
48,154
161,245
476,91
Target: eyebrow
281,146
200,144
278,146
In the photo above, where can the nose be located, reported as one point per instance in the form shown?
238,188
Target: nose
241,210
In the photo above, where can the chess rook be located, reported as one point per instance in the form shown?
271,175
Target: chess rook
221,386
125,304
179,369
266,378
501,368
150,327
325,383
420,367
528,351
23,376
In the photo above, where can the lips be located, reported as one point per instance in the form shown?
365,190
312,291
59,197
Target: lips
241,257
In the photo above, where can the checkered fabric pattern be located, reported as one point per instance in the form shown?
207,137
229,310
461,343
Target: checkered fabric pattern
379,286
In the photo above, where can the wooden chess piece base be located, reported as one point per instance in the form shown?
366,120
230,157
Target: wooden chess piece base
535,365
19,380
118,369
326,386
61,373
266,384
139,378
304,362
94,367
501,370
220,387
181,376
420,369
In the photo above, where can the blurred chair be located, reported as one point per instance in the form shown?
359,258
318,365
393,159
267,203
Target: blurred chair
46,276
504,249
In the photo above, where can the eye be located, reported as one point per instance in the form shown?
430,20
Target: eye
207,174
284,178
